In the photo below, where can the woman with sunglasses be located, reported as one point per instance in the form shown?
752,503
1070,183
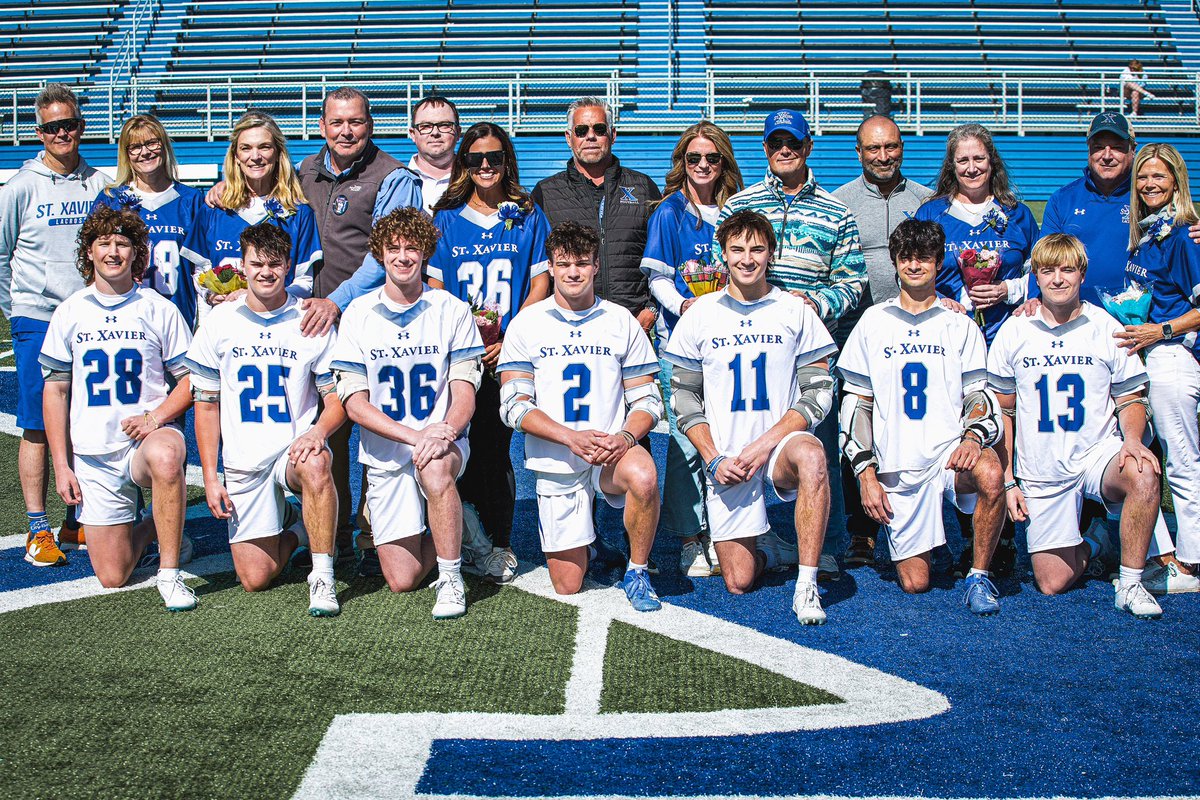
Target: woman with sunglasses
491,254
1164,259
148,185
704,174
260,185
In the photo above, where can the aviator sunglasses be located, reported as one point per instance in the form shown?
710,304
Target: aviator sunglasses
713,159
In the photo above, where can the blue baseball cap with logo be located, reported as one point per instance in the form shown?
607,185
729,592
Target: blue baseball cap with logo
1110,122
787,120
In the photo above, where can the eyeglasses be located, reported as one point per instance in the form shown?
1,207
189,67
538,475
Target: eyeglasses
600,129
713,159
426,128
780,142
151,146
70,125
475,160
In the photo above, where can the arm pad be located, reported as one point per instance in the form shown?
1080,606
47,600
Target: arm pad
857,437
981,416
516,400
470,370
56,375
645,398
816,394
205,395
687,398
350,383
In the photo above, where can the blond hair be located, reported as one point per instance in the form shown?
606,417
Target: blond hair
287,189
136,130
1055,249
1180,203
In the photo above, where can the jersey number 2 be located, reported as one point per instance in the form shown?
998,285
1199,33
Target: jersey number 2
574,409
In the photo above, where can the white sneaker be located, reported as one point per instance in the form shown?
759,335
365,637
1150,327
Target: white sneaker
693,561
807,604
322,598
1137,601
1168,579
476,547
451,597
500,565
780,554
176,594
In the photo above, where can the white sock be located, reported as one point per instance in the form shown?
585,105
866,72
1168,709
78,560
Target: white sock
974,571
449,566
1127,576
637,567
167,575
806,575
322,567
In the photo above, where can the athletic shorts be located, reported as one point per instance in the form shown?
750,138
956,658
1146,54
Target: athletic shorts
1054,507
565,508
739,511
258,500
917,525
107,485
396,500
28,336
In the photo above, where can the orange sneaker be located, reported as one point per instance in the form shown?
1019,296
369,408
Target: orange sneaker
71,539
41,551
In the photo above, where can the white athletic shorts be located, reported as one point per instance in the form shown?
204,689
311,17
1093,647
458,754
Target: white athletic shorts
258,500
1054,507
917,525
739,511
565,508
107,485
397,501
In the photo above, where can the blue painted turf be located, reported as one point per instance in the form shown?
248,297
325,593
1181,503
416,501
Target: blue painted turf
1055,696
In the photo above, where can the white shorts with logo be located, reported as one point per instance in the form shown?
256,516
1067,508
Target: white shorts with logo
565,508
107,485
739,511
397,501
1054,507
258,499
917,525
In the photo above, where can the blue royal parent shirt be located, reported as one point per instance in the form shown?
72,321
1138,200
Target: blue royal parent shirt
1101,222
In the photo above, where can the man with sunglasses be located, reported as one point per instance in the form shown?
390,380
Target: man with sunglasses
818,257
41,211
596,191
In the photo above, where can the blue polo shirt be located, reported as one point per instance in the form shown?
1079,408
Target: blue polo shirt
1101,222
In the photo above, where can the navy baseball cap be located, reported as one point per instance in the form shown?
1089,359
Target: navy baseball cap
786,119
1110,122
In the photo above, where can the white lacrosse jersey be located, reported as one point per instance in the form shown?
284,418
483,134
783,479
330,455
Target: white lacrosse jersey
118,349
748,354
405,352
267,373
1065,379
580,361
918,368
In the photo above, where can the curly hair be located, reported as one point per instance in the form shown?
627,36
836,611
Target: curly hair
915,238
747,222
404,224
267,240
572,239
105,221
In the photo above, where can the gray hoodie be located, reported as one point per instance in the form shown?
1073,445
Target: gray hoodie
40,215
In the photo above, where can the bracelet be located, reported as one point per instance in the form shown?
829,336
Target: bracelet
971,436
711,469
148,416
627,436
1010,485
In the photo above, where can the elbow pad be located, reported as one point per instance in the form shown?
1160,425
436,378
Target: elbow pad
350,383
645,398
469,370
981,416
856,437
516,400
205,395
687,398
816,394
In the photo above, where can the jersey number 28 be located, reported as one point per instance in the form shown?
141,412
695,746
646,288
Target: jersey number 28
125,367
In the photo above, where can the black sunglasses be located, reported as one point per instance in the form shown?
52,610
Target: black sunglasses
70,125
475,160
600,129
780,142
713,159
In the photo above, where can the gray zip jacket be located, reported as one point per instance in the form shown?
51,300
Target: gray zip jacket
40,216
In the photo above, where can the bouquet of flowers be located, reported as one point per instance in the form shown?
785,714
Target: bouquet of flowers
978,268
703,277
1129,304
487,320
222,279
511,213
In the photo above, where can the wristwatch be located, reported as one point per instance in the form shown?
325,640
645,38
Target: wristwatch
1167,331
